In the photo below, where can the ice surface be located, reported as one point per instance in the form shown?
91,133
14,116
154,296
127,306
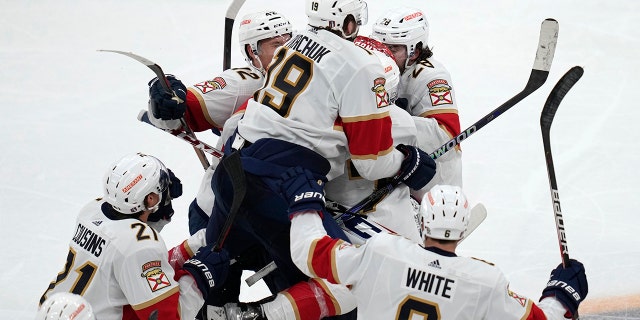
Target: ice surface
69,111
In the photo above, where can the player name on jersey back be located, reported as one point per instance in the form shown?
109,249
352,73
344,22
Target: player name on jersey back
308,47
89,240
430,283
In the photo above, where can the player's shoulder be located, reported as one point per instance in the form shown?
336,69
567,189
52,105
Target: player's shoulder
391,244
230,80
482,269
427,70
336,48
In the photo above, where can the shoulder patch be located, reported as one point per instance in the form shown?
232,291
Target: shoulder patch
521,300
440,92
156,278
382,97
208,86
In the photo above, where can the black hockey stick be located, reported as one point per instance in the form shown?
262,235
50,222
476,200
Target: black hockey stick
167,88
230,17
233,165
546,118
539,73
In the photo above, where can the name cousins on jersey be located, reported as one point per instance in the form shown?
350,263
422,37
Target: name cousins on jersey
308,47
88,240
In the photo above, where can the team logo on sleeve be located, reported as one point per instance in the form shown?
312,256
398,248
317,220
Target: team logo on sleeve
208,86
440,92
382,97
521,300
156,278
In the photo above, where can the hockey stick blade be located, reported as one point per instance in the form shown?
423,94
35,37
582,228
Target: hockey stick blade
230,17
539,74
152,65
164,82
546,118
557,94
476,217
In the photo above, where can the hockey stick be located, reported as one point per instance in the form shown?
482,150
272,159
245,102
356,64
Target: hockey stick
546,118
476,217
230,17
143,116
539,73
167,88
233,165
359,229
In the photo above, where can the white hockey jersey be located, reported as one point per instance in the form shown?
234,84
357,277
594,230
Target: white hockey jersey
393,211
319,84
395,278
212,102
121,268
216,100
427,93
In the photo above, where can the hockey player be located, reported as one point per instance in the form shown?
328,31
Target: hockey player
393,277
324,100
211,104
305,296
394,210
120,265
65,306
426,89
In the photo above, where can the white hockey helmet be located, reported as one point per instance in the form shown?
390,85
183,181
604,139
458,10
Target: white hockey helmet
444,213
259,26
65,306
402,26
333,14
129,180
391,70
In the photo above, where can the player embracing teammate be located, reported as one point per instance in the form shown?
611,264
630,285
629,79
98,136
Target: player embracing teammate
321,109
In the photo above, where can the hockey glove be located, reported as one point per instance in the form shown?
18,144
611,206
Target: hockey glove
568,285
175,186
302,190
208,268
417,168
165,105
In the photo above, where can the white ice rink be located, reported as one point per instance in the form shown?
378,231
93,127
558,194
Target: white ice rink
68,111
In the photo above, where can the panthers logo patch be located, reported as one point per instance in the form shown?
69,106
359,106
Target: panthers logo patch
208,86
382,97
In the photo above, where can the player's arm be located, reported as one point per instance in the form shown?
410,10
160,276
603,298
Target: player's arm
312,250
435,99
205,105
147,278
210,103
565,290
366,121
367,124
